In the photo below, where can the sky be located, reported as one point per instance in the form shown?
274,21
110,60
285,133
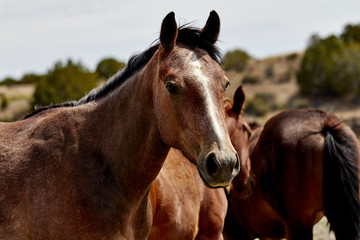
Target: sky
35,34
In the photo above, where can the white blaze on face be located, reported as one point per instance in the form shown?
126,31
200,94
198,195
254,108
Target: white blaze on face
204,82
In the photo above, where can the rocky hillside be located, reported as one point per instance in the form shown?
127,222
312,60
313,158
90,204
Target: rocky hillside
276,76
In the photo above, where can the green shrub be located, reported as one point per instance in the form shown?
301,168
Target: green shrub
64,83
4,102
331,66
315,70
235,60
291,56
108,67
351,34
260,104
8,82
30,78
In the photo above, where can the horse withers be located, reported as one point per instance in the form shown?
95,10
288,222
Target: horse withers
84,169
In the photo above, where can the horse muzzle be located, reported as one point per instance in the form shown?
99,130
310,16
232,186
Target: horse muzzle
217,169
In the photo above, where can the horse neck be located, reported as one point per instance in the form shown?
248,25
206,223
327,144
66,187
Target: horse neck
130,141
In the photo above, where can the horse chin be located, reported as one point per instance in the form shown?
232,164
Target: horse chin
206,183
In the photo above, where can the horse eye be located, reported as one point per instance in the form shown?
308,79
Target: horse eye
226,85
171,88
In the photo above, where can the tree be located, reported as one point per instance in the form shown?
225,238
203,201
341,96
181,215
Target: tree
331,66
315,75
30,78
345,71
235,60
64,83
8,81
351,33
108,67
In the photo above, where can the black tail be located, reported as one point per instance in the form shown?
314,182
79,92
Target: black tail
341,182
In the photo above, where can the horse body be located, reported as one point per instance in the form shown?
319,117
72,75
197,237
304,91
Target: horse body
183,208
306,176
65,173
305,165
83,170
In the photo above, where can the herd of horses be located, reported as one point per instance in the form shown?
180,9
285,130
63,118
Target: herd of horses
158,153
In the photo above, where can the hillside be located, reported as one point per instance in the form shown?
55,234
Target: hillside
17,98
276,76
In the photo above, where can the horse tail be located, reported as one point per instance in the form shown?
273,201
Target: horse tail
341,181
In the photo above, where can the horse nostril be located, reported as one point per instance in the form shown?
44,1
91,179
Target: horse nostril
211,166
237,164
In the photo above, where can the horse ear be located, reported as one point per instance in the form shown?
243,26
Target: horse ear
239,100
169,31
228,104
212,28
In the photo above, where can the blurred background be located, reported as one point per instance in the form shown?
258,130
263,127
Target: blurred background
286,54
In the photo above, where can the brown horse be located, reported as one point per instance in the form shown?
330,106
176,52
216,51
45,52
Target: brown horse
240,132
306,165
83,169
183,208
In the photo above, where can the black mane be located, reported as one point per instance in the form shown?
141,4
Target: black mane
187,35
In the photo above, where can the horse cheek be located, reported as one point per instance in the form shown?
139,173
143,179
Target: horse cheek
166,120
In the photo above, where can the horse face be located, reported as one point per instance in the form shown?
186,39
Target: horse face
190,109
240,132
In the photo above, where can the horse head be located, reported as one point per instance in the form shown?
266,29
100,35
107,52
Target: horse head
240,132
188,95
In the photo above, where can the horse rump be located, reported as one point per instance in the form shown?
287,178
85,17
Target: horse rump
341,181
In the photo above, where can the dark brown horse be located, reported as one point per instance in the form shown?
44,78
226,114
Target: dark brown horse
183,208
84,169
306,165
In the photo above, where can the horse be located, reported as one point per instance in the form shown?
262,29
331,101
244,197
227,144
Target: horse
305,164
83,169
183,208
240,133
